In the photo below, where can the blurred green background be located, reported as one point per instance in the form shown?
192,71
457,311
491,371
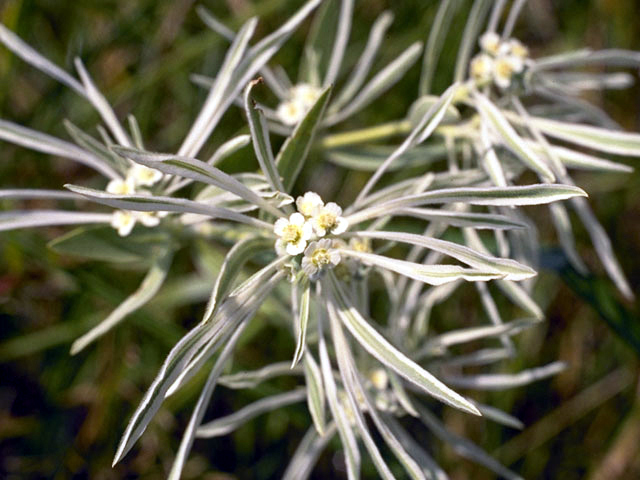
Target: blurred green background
61,416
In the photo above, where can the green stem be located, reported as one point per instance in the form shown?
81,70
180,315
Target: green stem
364,135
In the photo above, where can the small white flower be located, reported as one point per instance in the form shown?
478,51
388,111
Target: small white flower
481,67
293,232
121,187
148,219
306,94
144,176
490,42
290,112
301,99
309,203
515,48
328,218
504,68
379,379
318,256
123,221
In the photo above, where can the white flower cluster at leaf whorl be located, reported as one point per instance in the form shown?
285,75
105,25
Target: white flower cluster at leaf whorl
137,176
301,99
499,61
313,220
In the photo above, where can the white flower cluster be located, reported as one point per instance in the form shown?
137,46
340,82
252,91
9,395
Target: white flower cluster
137,176
499,60
313,220
301,99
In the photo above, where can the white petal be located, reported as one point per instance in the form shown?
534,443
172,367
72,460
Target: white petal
334,208
280,247
280,225
297,219
296,248
341,226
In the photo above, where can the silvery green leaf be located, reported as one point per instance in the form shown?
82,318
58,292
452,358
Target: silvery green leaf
504,381
178,358
439,344
536,194
251,379
474,220
419,134
262,51
251,292
228,148
480,357
491,309
591,81
87,142
318,47
103,243
340,42
437,34
382,350
295,149
369,158
43,218
221,94
359,393
227,424
514,13
196,170
260,139
427,464
203,402
29,55
149,203
475,20
585,57
562,224
229,316
217,26
136,133
489,159
422,105
430,274
500,125
231,267
520,297
596,138
102,106
315,393
379,84
401,394
582,161
307,453
225,150
36,193
365,62
347,435
427,301
302,320
349,384
499,416
603,247
511,269
152,282
42,142
462,446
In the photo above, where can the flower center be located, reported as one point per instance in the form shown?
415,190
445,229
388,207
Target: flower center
326,220
321,257
504,68
291,233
